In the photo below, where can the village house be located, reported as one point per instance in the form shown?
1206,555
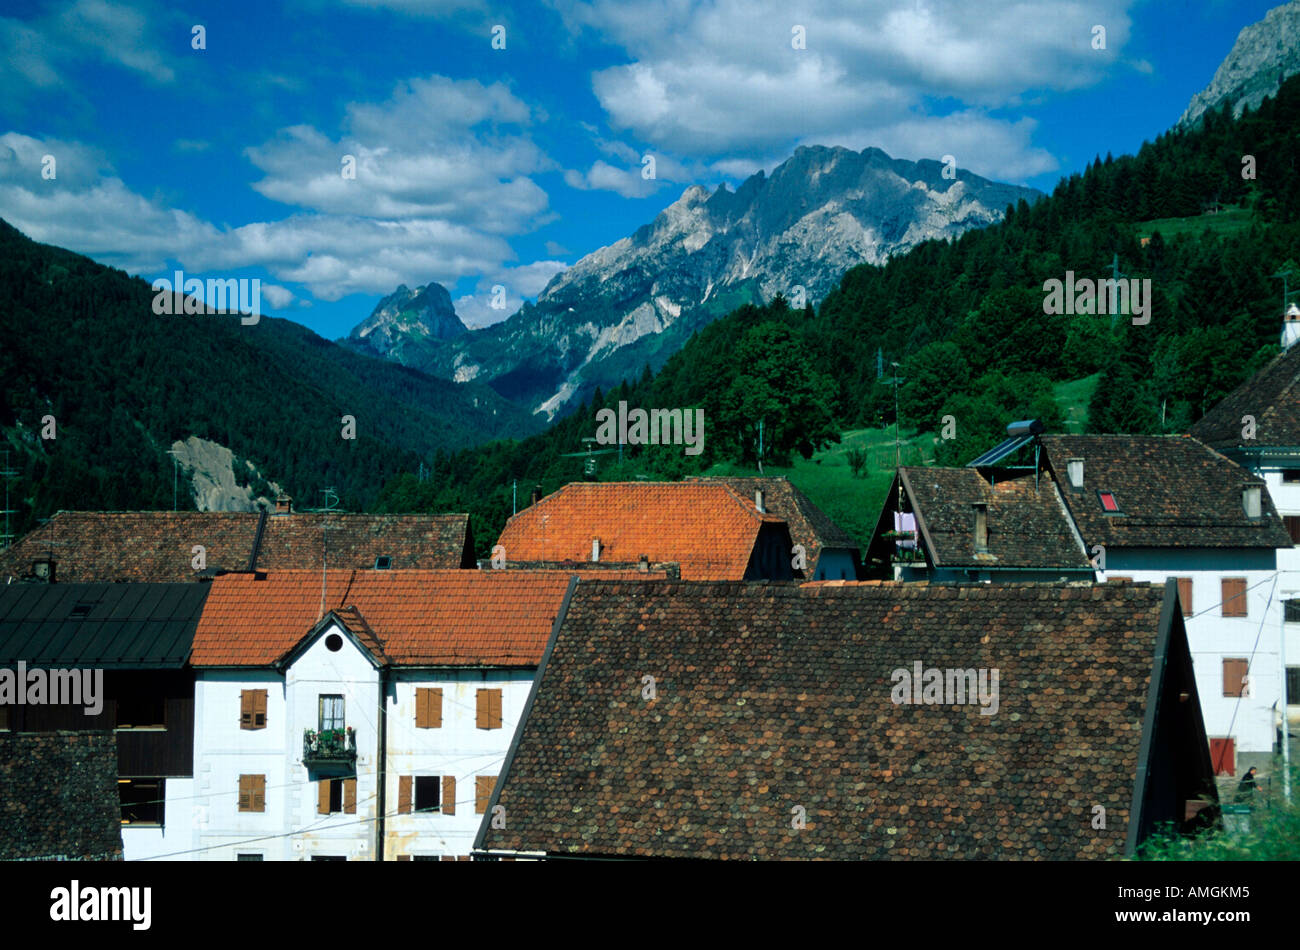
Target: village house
1118,507
178,546
764,721
1257,425
830,551
708,529
129,642
361,715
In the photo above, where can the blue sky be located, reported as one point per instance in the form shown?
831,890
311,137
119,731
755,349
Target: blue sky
478,166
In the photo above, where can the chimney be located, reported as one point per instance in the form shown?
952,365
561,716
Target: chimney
534,497
1250,500
643,565
43,570
595,549
981,526
758,501
1075,469
1290,326
283,505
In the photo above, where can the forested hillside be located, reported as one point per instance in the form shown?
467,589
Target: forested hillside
1206,215
80,342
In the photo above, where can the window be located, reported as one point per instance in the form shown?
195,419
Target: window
331,712
1108,502
428,793
1185,594
1234,676
252,793
428,708
247,856
489,709
1292,523
328,857
483,785
141,800
141,712
425,857
252,709
383,562
1291,475
335,795
1234,597
1293,685
1291,611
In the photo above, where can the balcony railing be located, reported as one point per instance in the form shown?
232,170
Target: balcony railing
330,749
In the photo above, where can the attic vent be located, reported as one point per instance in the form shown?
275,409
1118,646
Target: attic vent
1075,469
383,562
1250,500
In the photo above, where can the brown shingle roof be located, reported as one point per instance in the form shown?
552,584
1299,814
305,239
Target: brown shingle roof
1172,491
1027,526
776,696
1271,396
809,525
157,546
435,618
706,528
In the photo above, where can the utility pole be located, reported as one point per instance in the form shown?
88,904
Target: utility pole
898,451
1282,275
514,499
760,446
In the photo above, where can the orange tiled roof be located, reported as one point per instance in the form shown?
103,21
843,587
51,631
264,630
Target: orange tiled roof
417,618
707,528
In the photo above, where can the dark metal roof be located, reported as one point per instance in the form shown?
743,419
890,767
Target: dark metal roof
110,626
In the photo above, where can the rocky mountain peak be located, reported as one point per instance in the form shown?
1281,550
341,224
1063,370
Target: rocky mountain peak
1265,54
408,315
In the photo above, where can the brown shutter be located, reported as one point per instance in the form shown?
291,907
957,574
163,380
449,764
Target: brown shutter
350,796
257,791
259,709
449,795
421,708
489,709
496,709
483,785
435,708
403,857
481,709
1234,597
323,797
404,784
1223,756
1234,671
1116,579
245,793
1185,595
246,709
1292,523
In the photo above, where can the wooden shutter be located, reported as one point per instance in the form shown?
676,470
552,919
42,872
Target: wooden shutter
252,709
245,793
489,709
257,792
350,796
403,857
1234,671
1116,579
481,709
428,707
1234,597
1292,523
404,784
323,797
483,785
449,795
259,709
1185,595
1223,756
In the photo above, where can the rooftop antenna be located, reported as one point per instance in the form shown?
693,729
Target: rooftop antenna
176,474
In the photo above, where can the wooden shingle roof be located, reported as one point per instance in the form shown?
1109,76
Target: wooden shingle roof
158,546
1171,491
707,528
1271,397
771,698
809,525
1028,526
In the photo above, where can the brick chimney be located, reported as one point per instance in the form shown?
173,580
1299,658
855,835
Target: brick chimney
1290,326
283,505
759,501
595,549
981,526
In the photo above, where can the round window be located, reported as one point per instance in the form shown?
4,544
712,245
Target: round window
334,643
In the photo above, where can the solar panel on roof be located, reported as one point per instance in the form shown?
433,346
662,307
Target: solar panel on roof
1002,450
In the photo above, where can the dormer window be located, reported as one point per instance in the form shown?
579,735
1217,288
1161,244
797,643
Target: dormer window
383,562
1108,502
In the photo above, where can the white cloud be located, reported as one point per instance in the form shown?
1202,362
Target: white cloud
526,281
278,297
603,176
720,81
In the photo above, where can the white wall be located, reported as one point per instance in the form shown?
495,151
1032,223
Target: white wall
459,748
141,842
224,751
1213,637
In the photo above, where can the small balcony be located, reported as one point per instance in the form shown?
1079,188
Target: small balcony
330,751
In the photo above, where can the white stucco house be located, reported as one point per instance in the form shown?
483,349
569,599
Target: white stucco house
360,715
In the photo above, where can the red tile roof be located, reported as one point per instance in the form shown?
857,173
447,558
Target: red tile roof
434,618
707,528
